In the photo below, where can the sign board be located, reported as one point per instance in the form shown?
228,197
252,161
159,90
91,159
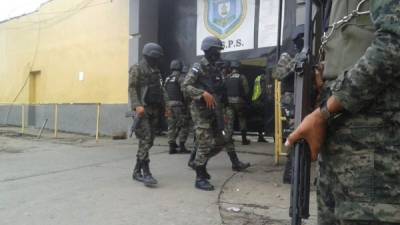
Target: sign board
268,23
230,20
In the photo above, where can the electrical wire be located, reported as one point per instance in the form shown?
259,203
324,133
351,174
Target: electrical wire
63,16
28,75
76,9
59,14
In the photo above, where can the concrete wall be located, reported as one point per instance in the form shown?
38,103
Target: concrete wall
42,54
71,118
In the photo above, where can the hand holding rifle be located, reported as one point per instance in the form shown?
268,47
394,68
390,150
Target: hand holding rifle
313,128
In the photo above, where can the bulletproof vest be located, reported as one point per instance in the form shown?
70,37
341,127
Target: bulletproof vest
210,80
153,94
173,88
350,41
233,85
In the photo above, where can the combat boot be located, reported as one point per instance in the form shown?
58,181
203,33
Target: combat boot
245,141
182,148
137,171
172,148
201,182
237,165
191,163
148,179
261,138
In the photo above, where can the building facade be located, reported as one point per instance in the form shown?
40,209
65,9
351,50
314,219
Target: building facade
76,53
73,53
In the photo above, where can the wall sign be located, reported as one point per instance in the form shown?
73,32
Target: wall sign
230,20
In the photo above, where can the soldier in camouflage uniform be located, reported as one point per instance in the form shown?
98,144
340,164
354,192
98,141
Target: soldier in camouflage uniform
146,98
178,117
357,127
237,90
204,85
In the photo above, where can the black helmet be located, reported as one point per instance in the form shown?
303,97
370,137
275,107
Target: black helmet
152,50
210,42
298,32
176,65
235,64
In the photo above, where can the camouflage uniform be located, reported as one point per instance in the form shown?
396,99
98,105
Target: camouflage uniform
209,138
178,122
188,102
359,177
236,103
285,73
145,90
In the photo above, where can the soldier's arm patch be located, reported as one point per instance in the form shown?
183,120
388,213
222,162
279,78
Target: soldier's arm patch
196,68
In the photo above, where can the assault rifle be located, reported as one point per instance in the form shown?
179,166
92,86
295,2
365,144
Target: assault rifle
220,118
136,121
300,190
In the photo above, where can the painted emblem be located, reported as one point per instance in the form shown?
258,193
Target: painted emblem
223,17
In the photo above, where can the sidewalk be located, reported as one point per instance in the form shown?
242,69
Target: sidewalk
75,180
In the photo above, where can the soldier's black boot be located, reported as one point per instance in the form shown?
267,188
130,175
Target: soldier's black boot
261,137
201,181
183,149
206,174
287,174
148,179
172,148
137,171
245,141
237,165
191,159
192,165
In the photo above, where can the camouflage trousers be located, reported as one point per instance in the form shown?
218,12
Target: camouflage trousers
146,131
178,124
231,112
209,139
359,173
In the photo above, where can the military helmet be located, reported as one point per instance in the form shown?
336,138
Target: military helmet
235,64
176,65
210,42
298,32
152,50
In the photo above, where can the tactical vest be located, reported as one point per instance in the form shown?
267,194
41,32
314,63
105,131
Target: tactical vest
153,94
233,85
173,88
209,80
349,42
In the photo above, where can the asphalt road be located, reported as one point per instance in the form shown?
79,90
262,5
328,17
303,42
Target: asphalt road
74,180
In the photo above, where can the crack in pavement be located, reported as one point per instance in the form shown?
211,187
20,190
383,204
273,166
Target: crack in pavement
247,205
